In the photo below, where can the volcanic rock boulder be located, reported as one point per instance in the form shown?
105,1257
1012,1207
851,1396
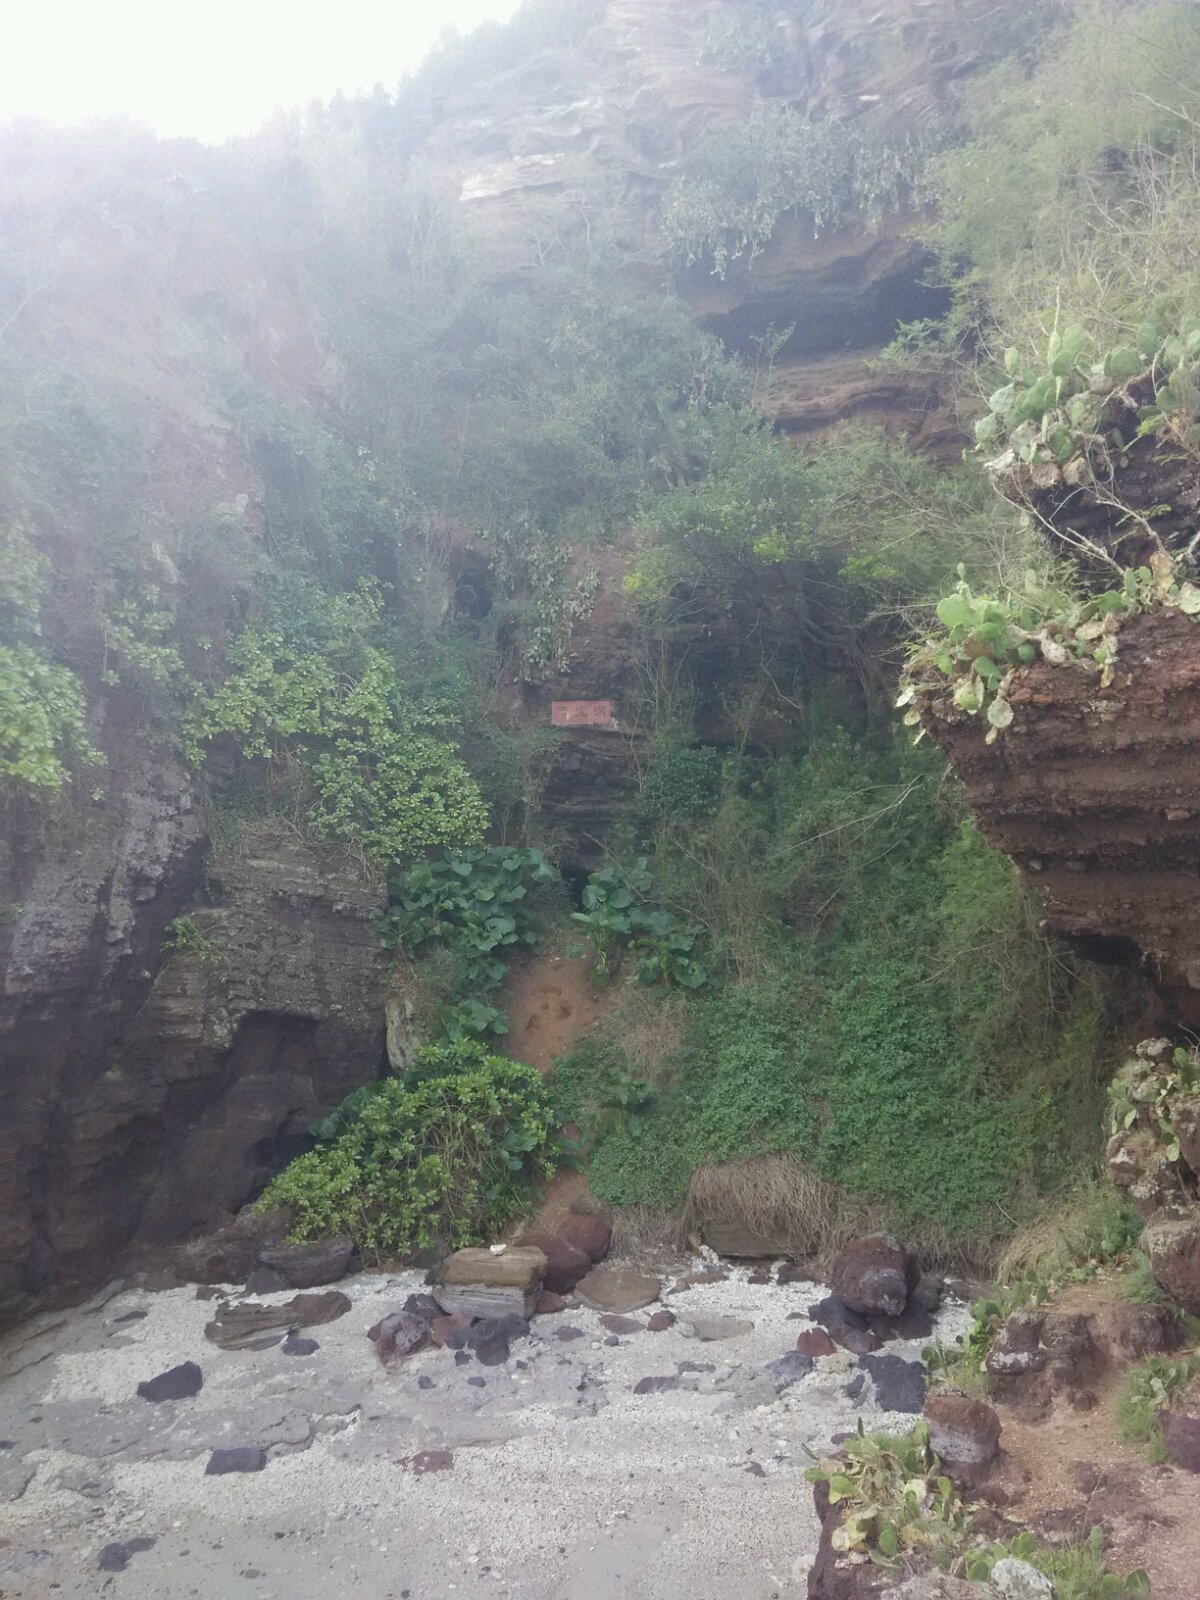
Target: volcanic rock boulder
566,1263
872,1274
307,1266
965,1434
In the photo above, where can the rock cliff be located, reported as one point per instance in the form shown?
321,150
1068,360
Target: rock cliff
1093,793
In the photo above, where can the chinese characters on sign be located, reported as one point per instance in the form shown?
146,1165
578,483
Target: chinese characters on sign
581,713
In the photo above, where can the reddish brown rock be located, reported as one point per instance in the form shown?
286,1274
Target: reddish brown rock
566,1264
1173,1245
399,1335
964,1433
620,1289
660,1322
1092,790
815,1342
443,1329
1181,1438
549,1304
1140,1331
231,1253
428,1461
590,1234
1041,1355
871,1274
307,1266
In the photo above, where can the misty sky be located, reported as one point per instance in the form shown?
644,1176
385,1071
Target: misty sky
217,67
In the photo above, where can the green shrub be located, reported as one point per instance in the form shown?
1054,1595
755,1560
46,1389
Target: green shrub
897,1507
42,722
385,778
474,902
1078,1571
744,178
684,783
447,1155
617,916
910,1034
985,639
43,708
1138,1283
1075,189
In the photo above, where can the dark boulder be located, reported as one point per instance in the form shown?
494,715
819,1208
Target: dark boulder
1173,1245
1141,1331
846,1327
872,1274
491,1338
308,1266
566,1263
790,1368
965,1434
656,1385
592,1235
177,1383
398,1335
899,1384
1181,1438
231,1254
238,1458
265,1280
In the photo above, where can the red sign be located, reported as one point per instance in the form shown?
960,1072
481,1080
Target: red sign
581,713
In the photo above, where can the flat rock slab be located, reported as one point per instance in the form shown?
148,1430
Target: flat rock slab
306,1266
747,1244
241,1327
116,1557
617,1324
899,1384
488,1300
515,1268
710,1329
618,1289
238,1458
177,1383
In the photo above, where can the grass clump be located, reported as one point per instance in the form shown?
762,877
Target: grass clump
900,1511
445,1156
1155,1385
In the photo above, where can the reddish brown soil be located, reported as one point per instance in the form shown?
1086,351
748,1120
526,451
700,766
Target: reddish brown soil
551,1003
1074,1461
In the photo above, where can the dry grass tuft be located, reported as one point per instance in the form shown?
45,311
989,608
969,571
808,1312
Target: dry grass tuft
1085,1224
778,1196
649,1028
644,1234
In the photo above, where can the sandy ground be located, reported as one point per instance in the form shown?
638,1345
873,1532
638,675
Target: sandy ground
563,1484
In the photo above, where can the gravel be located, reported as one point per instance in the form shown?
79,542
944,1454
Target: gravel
561,1481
